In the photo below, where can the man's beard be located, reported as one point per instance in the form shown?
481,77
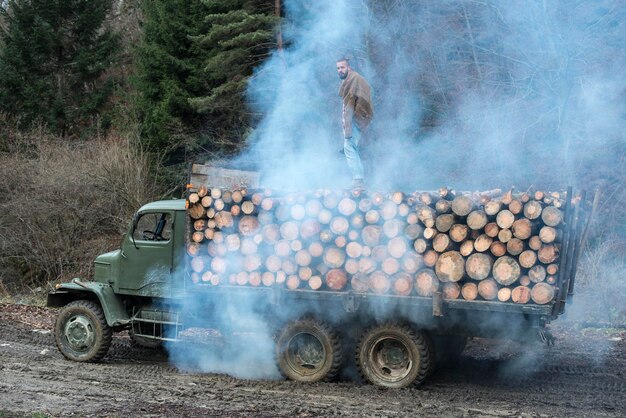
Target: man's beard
343,76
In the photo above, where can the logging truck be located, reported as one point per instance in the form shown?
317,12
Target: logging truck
400,278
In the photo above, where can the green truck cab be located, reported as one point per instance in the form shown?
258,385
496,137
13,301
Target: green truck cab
146,287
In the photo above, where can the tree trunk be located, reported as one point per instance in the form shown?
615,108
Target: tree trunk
458,232
379,282
542,293
521,294
505,219
469,291
360,282
482,243
462,205
442,243
488,289
402,284
444,222
478,266
426,282
504,294
451,290
527,259
477,220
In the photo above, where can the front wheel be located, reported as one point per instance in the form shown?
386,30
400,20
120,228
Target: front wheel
308,350
394,356
81,332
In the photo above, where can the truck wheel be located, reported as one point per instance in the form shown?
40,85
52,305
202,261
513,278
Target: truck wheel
81,331
308,350
394,356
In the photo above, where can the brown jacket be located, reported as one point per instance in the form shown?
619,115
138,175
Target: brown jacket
357,103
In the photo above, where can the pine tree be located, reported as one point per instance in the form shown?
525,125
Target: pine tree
53,54
169,72
240,36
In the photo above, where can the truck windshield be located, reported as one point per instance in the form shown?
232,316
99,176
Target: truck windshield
153,227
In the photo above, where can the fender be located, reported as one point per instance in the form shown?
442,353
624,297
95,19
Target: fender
112,305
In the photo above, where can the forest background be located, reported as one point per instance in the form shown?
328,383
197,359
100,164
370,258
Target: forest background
104,104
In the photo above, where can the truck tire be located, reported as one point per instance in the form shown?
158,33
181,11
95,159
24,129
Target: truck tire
395,356
81,331
308,350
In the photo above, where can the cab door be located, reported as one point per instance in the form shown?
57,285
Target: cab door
146,261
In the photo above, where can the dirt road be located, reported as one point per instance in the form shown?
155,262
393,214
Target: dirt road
583,375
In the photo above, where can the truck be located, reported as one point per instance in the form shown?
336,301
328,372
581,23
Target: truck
332,273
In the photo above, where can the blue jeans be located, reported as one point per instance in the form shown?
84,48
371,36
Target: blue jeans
351,150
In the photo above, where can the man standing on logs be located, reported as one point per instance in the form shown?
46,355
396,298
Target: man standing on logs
357,113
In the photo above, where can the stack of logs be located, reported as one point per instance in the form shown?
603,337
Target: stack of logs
476,246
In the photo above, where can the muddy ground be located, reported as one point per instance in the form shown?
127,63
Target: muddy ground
584,374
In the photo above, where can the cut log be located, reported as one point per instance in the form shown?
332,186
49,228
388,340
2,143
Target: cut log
193,198
515,246
248,225
297,212
199,225
282,248
430,258
551,216
281,277
341,241
402,284
206,201
551,279
316,249
326,236
310,228
505,219
516,206
202,191
305,273
426,198
466,248
357,221
354,249
524,280
548,234
224,219
522,228
360,282
420,245
227,196
241,278
273,263
534,243
426,282
303,258
392,228
552,269
462,205
219,205
493,207
379,282
218,265
504,294
254,279
537,274
397,247
450,266
442,243
413,231
411,262
268,279
325,216
292,282
251,262
197,236
488,289
346,206
397,197
451,290
365,205
427,216
430,233
527,258
193,249
548,253
334,257
482,243
371,235
271,233
390,266
336,279
444,222
330,200
379,253
458,232
492,229
351,266
532,209
498,248
289,230
476,220
339,225
443,206
196,211
520,294
506,270
312,208
469,291
478,266
233,242
542,293
366,265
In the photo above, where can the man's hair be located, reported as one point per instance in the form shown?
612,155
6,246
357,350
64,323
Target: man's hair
347,60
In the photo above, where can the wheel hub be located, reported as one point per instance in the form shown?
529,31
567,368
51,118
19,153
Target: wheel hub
390,358
79,333
305,353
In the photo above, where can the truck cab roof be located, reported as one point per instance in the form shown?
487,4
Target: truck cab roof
172,204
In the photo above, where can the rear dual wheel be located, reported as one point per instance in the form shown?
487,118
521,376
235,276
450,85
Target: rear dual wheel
395,356
308,350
